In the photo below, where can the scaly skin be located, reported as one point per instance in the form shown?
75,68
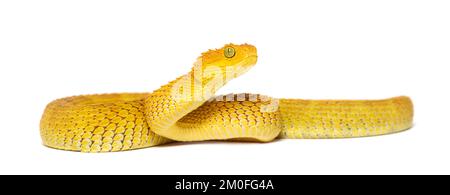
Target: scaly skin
187,110
345,118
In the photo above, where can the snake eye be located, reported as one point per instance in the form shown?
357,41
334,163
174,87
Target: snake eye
229,52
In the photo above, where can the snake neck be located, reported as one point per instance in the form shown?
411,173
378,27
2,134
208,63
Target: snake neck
168,104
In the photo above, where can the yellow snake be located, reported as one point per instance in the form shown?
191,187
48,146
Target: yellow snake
186,109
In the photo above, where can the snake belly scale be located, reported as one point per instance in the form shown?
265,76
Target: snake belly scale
187,109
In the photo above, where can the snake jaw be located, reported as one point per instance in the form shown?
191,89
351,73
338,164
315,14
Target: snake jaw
231,60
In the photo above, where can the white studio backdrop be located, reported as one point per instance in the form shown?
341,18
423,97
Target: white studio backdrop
307,49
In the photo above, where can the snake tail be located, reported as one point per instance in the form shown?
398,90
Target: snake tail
318,119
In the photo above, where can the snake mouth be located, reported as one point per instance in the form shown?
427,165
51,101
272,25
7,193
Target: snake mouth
251,60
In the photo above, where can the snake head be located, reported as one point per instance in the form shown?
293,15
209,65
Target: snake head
232,60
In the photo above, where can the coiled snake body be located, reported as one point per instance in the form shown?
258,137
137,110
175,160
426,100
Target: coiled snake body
186,109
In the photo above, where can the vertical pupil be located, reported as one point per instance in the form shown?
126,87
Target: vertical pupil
229,52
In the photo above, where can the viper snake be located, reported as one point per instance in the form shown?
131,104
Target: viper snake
187,110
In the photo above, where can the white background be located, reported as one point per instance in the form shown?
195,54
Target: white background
308,49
